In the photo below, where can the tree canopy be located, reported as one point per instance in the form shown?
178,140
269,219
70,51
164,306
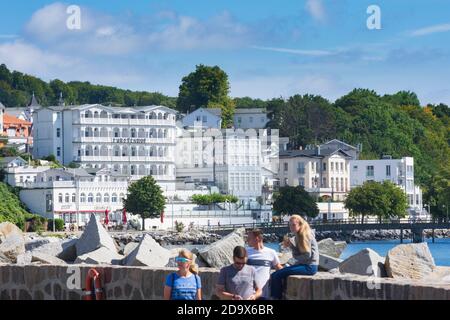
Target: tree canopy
383,200
295,200
145,198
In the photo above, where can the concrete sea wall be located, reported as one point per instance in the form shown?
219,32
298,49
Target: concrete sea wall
49,282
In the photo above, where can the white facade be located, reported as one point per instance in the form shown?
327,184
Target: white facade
2,112
132,141
74,194
253,118
237,162
332,211
398,171
321,173
203,117
23,175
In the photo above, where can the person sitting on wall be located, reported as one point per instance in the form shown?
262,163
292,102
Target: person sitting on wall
305,252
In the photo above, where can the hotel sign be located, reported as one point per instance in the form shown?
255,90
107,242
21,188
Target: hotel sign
129,140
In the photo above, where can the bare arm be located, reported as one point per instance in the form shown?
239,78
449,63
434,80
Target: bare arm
223,295
167,292
257,294
278,266
199,294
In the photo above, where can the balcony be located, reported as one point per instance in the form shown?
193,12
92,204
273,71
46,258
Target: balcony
121,122
122,159
116,140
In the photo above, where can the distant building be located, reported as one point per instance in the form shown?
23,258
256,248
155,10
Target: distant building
323,172
18,131
74,194
398,171
3,139
347,148
12,162
250,118
131,141
204,117
22,175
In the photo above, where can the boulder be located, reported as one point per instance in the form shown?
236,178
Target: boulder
100,256
8,228
65,250
327,263
220,253
46,259
331,248
148,253
24,258
36,243
130,247
410,261
366,263
94,237
4,259
13,245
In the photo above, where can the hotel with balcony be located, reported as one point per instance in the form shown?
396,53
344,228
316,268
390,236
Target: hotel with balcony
137,141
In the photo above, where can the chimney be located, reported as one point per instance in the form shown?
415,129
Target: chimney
318,150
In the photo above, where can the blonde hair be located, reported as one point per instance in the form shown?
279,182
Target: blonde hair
189,255
303,235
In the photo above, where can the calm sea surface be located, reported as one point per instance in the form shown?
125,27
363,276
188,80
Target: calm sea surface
440,249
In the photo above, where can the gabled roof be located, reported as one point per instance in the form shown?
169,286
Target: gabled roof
214,111
313,153
34,102
7,118
9,159
341,142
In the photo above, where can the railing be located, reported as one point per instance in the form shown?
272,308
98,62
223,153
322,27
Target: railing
123,159
103,139
406,223
114,121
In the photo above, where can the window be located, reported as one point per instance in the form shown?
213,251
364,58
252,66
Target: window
60,198
301,168
332,166
369,172
204,119
285,166
355,168
388,171
114,198
21,179
90,197
58,132
67,198
324,167
301,182
106,198
98,198
342,167
58,151
82,197
73,197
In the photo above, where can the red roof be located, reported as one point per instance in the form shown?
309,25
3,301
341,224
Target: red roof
9,119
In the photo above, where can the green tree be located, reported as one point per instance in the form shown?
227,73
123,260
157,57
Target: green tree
145,198
11,209
384,200
295,200
206,87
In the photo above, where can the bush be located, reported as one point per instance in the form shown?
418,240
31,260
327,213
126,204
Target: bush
179,226
36,224
59,225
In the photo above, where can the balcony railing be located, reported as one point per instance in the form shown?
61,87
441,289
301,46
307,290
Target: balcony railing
122,159
113,121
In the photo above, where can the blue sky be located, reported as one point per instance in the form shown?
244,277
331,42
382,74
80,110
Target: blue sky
268,48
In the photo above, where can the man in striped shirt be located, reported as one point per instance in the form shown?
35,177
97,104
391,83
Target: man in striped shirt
263,259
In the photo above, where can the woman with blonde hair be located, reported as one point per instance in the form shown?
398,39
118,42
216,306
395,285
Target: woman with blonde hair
185,284
305,253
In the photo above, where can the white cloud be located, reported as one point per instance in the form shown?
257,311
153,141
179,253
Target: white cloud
316,9
30,59
430,30
314,53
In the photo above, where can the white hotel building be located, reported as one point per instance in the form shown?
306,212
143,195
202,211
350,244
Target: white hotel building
137,141
398,171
